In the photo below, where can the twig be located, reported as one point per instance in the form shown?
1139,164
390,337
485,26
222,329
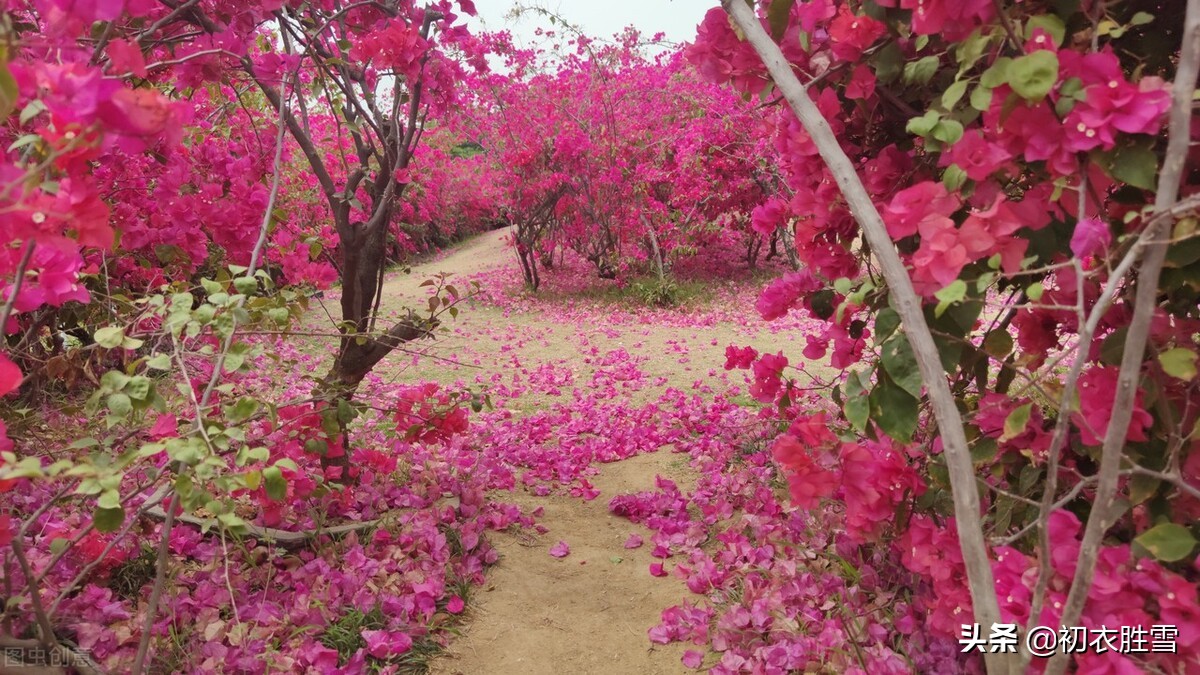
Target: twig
289,539
18,279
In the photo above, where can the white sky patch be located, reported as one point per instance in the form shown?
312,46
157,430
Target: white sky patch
677,19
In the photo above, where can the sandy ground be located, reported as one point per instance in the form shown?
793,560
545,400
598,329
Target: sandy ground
590,611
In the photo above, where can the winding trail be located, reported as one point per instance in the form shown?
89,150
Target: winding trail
590,611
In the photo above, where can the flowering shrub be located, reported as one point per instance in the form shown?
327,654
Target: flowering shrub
1012,153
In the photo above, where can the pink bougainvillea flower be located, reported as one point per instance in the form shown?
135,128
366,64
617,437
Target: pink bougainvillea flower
126,57
1097,392
1091,236
455,605
656,570
739,357
10,375
977,157
384,644
634,541
692,658
924,203
808,482
852,34
560,550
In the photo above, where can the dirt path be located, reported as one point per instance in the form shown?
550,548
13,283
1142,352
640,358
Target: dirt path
590,611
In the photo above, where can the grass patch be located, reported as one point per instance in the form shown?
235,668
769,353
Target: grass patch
416,660
129,577
345,634
645,291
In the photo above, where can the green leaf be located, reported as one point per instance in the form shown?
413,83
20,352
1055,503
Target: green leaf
901,364
886,323
211,286
954,177
1179,363
1141,19
887,62
1035,291
777,17
997,74
954,94
998,343
1142,487
246,285
858,406
955,292
981,98
9,94
1167,542
920,71
894,409
109,337
138,388
109,500
923,125
948,131
119,404
274,483
1015,423
1033,76
108,520
159,362
969,51
241,411
345,412
1135,164
32,110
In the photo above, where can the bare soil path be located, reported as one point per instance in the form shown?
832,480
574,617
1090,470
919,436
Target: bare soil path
590,611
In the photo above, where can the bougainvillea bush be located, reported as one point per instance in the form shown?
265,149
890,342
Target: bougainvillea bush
1018,159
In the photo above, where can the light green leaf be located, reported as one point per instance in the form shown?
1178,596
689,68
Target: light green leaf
9,94
109,499
948,131
1141,19
858,405
274,483
1179,363
954,94
955,292
1033,76
1015,423
923,125
109,337
1167,542
920,71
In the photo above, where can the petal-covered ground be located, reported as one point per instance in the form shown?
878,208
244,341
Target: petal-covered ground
614,509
